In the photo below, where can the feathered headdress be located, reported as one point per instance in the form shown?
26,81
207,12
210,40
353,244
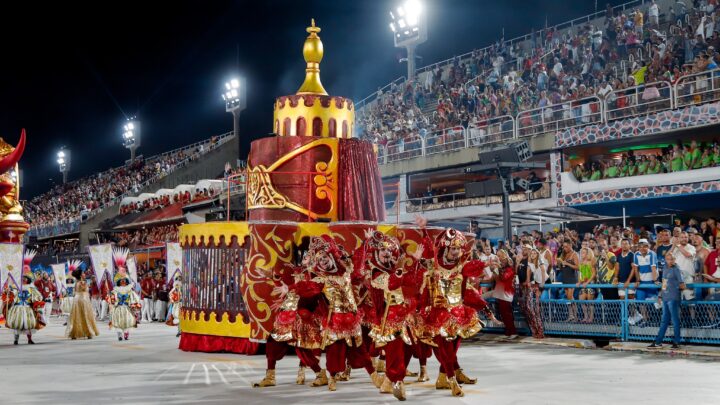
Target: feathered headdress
120,255
28,257
74,268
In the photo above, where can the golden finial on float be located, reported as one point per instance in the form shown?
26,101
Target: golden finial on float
313,54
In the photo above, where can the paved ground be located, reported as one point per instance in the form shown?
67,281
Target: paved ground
148,369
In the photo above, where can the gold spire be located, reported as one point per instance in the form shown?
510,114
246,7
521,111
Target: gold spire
313,53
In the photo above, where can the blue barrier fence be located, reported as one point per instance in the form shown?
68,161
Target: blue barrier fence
624,319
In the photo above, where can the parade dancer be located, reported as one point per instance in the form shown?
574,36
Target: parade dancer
391,329
81,319
175,305
68,296
449,303
105,288
123,298
296,323
45,286
25,314
341,331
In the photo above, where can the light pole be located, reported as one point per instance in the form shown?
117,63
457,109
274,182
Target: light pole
409,28
235,101
132,136
64,160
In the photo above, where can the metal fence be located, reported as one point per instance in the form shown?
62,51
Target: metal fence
623,319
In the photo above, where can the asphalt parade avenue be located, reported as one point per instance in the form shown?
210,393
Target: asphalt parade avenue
149,369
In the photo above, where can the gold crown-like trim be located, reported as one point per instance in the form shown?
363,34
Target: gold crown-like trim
215,229
192,322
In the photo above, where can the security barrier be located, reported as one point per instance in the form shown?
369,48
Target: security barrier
623,319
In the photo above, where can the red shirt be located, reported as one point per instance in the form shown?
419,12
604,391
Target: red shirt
147,286
46,287
711,263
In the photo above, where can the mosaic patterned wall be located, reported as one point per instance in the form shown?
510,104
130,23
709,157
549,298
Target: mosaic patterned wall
644,125
635,193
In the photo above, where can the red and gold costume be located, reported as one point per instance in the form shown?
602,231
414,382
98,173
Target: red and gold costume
392,325
449,303
296,324
341,329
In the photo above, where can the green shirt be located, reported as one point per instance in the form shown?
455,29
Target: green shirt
706,161
677,164
611,172
654,169
687,160
716,159
632,170
697,155
596,175
642,168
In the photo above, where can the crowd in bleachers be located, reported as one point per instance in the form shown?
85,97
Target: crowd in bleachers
669,159
628,260
69,202
150,236
635,48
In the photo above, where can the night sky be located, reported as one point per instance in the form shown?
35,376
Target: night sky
70,74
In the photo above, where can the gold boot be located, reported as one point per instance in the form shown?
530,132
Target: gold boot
331,383
377,380
380,368
423,376
301,376
442,382
268,381
320,379
464,379
386,386
398,390
344,376
455,387
409,373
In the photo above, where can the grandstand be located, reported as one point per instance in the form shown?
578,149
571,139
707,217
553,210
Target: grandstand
67,210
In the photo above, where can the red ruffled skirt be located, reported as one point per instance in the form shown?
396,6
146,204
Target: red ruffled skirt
450,323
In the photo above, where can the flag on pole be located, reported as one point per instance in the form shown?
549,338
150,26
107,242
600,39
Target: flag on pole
59,272
102,260
11,264
174,261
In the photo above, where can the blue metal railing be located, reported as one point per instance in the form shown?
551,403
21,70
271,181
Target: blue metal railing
624,319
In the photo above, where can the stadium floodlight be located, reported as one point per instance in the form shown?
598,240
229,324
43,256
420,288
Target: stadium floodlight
131,136
63,161
409,30
235,100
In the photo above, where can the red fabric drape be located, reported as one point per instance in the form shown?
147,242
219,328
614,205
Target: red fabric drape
361,193
190,342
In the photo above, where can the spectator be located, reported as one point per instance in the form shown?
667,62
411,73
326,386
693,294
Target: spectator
504,292
670,296
684,254
569,265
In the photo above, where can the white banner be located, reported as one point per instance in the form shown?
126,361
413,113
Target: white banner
132,269
59,272
174,261
11,263
102,261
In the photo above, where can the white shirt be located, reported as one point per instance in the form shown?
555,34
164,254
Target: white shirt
653,11
686,264
539,273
